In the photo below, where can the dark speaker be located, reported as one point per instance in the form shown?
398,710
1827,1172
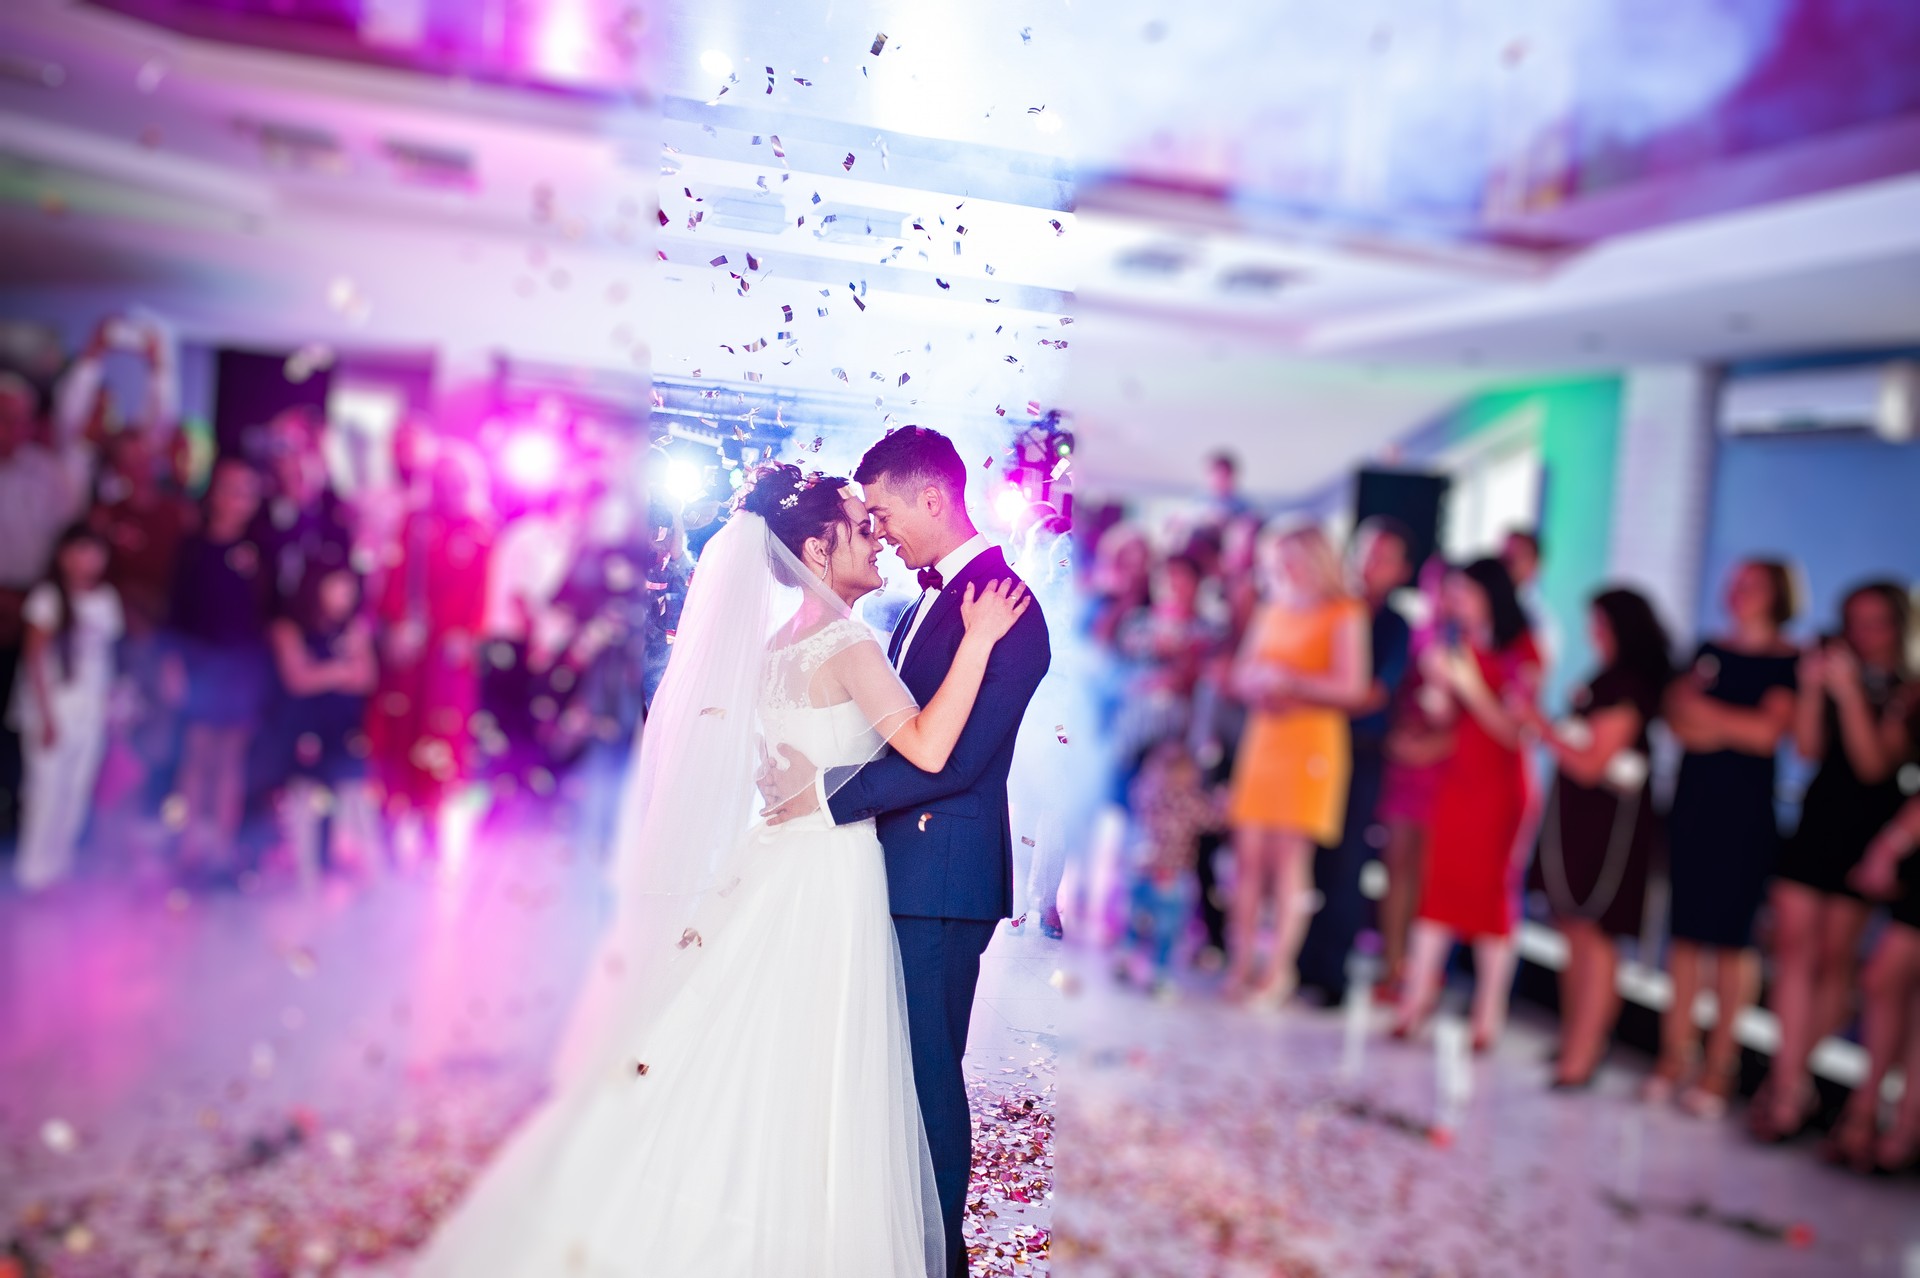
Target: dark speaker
1414,498
251,387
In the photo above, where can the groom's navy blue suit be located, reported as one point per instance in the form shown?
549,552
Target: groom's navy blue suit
949,851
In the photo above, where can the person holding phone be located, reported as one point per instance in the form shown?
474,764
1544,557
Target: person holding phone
1850,716
1489,671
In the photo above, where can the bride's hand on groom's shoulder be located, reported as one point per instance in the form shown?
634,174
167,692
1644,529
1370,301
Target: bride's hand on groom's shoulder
786,786
992,612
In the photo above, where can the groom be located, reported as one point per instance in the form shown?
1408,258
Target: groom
946,834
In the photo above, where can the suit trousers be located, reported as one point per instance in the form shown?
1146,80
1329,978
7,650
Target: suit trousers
940,959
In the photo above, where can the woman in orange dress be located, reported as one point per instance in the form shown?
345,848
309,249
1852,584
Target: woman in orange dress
1489,669
1304,658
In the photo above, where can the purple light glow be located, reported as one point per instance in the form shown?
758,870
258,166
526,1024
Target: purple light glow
531,461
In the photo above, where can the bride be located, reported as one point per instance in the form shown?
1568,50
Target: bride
736,1095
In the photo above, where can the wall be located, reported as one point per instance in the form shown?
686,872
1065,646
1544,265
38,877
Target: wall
1843,506
1578,435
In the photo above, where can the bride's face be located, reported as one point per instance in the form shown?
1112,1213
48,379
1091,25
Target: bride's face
853,567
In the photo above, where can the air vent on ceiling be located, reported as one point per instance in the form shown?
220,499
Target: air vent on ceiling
1257,280
35,71
745,211
425,164
852,224
1154,259
294,146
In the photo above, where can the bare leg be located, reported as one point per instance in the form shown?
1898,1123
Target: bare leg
229,785
1493,959
1898,1147
1251,869
1796,934
1678,1039
196,795
1886,988
1843,920
1736,984
1405,853
1428,943
1592,999
1292,863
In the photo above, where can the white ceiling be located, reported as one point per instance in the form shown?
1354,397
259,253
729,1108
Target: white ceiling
1198,319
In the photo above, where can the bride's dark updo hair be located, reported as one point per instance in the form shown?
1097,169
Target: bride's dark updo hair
796,505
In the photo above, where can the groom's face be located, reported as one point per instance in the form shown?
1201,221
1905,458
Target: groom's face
903,520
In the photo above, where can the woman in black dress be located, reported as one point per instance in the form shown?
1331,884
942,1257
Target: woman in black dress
1598,834
1850,717
1729,712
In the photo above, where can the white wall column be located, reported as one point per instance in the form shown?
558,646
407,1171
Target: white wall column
1662,485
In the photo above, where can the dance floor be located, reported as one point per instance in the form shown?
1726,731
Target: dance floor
1200,1141
281,1082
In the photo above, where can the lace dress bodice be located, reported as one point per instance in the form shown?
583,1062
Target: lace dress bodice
829,735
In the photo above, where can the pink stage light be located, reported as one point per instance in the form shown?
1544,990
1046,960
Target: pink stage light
531,460
1009,504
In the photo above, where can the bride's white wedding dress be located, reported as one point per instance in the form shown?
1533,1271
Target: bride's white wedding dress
775,1130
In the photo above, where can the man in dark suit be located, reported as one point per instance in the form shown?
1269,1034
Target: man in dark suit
946,835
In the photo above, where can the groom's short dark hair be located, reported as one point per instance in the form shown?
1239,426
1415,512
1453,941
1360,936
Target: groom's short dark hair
913,457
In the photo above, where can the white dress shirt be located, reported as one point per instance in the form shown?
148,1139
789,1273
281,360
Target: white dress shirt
949,568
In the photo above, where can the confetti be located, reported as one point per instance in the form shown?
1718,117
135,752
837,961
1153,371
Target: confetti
690,937
717,712
924,818
879,43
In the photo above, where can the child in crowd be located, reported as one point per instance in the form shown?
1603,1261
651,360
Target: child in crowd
1172,808
324,653
73,620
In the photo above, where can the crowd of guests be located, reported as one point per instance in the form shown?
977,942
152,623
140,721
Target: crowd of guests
271,673
1324,755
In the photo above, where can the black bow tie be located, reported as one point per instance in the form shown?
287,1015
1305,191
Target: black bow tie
930,579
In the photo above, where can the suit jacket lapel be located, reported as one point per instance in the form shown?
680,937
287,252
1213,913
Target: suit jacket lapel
986,566
900,627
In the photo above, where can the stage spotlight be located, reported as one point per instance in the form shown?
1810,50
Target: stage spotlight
714,62
684,481
531,460
1009,504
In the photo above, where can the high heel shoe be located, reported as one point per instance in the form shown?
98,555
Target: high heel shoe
1582,1084
1904,1160
1768,1126
1854,1142
1661,1086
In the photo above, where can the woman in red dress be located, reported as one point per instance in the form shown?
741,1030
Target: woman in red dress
431,608
1489,669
